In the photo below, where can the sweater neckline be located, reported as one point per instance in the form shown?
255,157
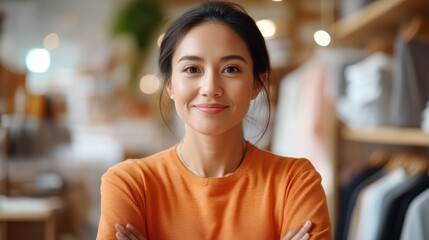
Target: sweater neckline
192,178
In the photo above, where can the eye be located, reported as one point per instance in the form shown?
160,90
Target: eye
191,70
231,69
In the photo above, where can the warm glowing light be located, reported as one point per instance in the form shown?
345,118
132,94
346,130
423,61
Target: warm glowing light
277,0
51,41
149,84
160,38
267,27
38,60
322,38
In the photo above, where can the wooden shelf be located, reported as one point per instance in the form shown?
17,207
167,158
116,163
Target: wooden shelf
379,17
23,209
387,135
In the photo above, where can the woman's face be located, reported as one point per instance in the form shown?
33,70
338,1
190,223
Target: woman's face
212,80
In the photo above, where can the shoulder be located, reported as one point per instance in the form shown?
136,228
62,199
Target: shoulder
137,168
287,170
266,158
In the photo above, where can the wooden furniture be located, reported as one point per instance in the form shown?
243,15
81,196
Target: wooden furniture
15,210
380,18
387,135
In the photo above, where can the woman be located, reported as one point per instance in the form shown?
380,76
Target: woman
213,184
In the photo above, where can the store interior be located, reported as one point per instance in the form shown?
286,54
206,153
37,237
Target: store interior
79,93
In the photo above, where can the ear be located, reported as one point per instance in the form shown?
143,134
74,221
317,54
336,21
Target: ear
257,87
256,90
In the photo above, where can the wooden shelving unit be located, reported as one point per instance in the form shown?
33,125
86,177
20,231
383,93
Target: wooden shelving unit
387,135
382,17
379,20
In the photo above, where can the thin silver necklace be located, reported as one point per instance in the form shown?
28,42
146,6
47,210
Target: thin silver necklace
182,159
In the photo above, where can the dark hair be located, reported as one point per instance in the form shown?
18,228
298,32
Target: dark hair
230,14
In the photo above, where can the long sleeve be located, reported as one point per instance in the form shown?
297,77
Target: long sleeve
263,199
122,202
306,199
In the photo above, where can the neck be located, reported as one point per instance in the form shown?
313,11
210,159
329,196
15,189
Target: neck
212,158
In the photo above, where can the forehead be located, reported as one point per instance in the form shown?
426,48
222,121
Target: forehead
212,39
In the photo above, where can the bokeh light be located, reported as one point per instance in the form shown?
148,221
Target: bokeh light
267,27
149,84
322,38
38,60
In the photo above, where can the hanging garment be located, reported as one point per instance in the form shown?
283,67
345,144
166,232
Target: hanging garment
348,197
391,196
372,200
410,89
396,212
417,218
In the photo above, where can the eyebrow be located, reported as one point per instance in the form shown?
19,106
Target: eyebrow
232,57
199,59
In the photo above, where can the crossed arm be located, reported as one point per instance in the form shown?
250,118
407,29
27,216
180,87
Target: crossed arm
128,232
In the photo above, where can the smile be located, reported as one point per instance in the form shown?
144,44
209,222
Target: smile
211,108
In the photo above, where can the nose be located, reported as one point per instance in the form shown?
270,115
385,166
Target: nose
211,85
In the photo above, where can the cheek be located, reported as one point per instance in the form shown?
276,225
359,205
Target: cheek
246,91
175,84
182,91
177,87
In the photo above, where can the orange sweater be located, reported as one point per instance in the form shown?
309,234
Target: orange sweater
263,199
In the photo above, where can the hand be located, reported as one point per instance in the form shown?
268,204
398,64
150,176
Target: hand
128,233
302,234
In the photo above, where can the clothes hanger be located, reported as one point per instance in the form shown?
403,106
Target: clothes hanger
418,165
379,158
412,163
394,163
415,29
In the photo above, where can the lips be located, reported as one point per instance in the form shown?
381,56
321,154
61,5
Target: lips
211,108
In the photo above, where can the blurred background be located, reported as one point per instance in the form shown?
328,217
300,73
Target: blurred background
79,93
